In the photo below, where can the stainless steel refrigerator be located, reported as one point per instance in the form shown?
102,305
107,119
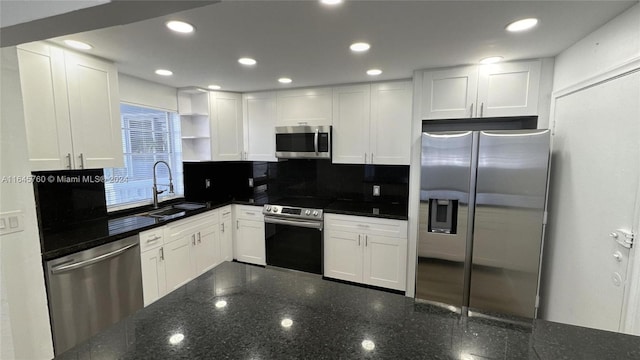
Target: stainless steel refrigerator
482,203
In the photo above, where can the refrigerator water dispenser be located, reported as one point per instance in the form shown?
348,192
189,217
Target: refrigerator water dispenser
442,216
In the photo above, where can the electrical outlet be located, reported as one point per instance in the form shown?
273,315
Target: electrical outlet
207,183
376,190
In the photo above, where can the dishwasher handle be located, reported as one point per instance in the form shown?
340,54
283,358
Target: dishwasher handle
79,264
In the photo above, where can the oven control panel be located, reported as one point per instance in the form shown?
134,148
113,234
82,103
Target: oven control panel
292,212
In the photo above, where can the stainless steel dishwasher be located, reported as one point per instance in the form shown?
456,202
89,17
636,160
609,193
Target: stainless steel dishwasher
93,289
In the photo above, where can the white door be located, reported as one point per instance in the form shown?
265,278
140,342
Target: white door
94,109
351,112
509,89
385,261
390,139
250,242
154,284
343,255
178,265
594,184
226,238
259,111
450,93
207,249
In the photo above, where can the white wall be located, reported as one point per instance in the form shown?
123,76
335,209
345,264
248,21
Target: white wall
611,50
146,93
24,302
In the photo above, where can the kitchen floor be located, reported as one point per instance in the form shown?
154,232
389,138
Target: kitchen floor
239,311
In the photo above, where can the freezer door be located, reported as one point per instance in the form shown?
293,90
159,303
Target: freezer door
444,205
510,198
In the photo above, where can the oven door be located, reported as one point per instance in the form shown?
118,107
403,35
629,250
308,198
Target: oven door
294,244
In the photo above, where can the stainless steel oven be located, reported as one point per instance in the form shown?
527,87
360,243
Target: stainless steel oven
294,237
303,142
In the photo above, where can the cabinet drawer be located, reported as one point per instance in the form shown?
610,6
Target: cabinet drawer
176,230
151,239
248,212
369,225
225,213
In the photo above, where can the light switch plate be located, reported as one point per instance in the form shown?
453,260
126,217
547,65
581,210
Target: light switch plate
11,222
376,190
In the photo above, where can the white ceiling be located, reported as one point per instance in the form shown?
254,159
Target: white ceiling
21,11
309,42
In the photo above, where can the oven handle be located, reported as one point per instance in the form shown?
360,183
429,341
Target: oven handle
306,224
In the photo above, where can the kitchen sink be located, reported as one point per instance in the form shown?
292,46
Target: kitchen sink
189,206
167,211
173,211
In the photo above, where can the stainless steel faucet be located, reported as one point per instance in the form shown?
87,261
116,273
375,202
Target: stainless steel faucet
155,185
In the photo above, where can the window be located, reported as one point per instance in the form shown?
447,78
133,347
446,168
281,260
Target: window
148,135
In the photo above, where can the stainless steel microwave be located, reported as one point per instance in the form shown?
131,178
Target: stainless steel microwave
303,142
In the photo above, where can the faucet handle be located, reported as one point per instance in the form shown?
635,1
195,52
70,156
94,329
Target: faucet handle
171,187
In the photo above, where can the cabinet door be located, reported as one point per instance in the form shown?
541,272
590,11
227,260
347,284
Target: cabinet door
46,108
343,255
351,112
391,123
385,261
154,283
304,107
207,249
450,93
226,234
178,265
509,89
94,109
226,126
259,111
250,241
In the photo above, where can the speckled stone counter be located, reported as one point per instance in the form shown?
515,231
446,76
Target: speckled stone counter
238,311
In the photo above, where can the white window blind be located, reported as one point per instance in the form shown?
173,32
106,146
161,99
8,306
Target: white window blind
148,135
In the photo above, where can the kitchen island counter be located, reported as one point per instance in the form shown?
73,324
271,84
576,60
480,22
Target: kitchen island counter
238,311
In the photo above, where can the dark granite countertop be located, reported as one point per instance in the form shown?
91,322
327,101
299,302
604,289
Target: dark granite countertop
371,209
118,226
238,311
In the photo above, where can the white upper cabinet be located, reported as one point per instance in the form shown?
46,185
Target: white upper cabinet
372,123
351,114
259,111
509,89
450,93
226,125
505,89
391,109
71,107
304,107
94,109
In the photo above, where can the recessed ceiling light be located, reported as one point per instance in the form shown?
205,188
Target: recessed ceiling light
359,47
180,26
522,25
78,44
247,61
285,80
374,72
286,323
164,72
214,87
491,60
331,2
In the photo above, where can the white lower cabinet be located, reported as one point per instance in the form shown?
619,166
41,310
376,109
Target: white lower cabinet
226,234
175,254
366,250
249,235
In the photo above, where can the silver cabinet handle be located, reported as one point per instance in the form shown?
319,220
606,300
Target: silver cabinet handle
249,213
161,254
365,158
481,109
199,238
366,240
69,159
82,160
471,112
153,239
222,227
359,239
227,213
238,224
315,140
193,239
372,158
94,260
